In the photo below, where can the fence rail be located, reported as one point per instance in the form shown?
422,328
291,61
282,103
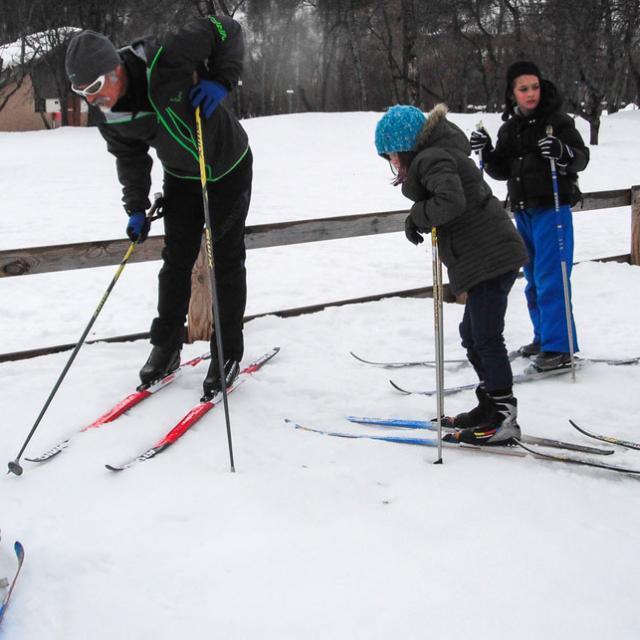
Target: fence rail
86,255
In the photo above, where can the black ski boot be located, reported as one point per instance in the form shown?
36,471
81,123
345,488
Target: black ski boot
212,385
500,428
528,350
163,359
473,418
549,360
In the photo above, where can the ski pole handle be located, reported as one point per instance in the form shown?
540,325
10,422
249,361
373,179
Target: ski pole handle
156,206
479,127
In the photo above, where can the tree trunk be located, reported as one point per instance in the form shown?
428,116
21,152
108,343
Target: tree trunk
354,45
635,225
594,130
409,56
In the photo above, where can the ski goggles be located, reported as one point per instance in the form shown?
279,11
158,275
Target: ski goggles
93,88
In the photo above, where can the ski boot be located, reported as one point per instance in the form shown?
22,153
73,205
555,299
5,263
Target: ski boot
212,384
500,428
473,418
549,360
528,350
163,359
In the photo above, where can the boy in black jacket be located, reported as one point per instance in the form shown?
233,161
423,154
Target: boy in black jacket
521,157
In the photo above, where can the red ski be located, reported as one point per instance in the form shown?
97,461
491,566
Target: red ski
194,415
122,407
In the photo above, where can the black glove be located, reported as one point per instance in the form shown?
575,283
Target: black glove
412,231
138,227
480,140
553,148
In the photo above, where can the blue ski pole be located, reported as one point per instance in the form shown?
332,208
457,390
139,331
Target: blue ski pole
563,260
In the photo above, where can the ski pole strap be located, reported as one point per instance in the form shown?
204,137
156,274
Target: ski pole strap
157,208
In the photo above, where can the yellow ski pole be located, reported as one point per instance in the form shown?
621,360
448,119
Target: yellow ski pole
212,276
14,465
436,264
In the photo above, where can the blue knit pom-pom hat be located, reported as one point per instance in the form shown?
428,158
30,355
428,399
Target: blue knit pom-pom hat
398,129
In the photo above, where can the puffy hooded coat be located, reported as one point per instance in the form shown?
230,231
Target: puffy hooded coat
517,158
476,239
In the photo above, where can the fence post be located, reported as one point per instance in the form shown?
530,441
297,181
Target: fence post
634,257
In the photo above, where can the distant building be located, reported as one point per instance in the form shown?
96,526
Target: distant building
29,91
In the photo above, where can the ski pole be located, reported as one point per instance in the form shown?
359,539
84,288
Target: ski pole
14,466
436,265
563,261
212,275
479,127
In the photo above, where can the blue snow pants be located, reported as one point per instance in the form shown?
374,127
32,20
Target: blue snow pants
544,290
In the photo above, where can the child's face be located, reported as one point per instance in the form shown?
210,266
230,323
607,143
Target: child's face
394,159
526,90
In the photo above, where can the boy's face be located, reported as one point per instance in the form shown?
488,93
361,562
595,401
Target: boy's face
526,90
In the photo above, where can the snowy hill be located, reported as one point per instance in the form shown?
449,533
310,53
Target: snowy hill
312,537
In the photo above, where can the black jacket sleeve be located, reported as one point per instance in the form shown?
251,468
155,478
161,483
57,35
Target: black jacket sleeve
214,46
133,164
497,162
565,130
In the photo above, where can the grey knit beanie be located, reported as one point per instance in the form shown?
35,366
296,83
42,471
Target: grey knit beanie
89,55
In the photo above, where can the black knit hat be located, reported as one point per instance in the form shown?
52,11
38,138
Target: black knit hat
89,55
521,68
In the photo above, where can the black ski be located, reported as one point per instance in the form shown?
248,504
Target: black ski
610,439
400,365
585,462
518,378
457,363
612,362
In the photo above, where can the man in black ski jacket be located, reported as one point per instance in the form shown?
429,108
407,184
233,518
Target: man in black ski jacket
147,94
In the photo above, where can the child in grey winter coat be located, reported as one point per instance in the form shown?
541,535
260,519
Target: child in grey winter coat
477,243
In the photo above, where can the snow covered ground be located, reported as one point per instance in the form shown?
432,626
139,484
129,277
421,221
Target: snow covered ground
313,537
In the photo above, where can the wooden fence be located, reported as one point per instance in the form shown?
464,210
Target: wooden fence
85,255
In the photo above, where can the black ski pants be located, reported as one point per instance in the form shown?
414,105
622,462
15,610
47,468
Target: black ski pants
229,200
481,332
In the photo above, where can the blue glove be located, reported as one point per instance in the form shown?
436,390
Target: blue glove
138,227
207,94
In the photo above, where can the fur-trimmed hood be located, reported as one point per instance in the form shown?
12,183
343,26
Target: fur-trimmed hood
438,131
